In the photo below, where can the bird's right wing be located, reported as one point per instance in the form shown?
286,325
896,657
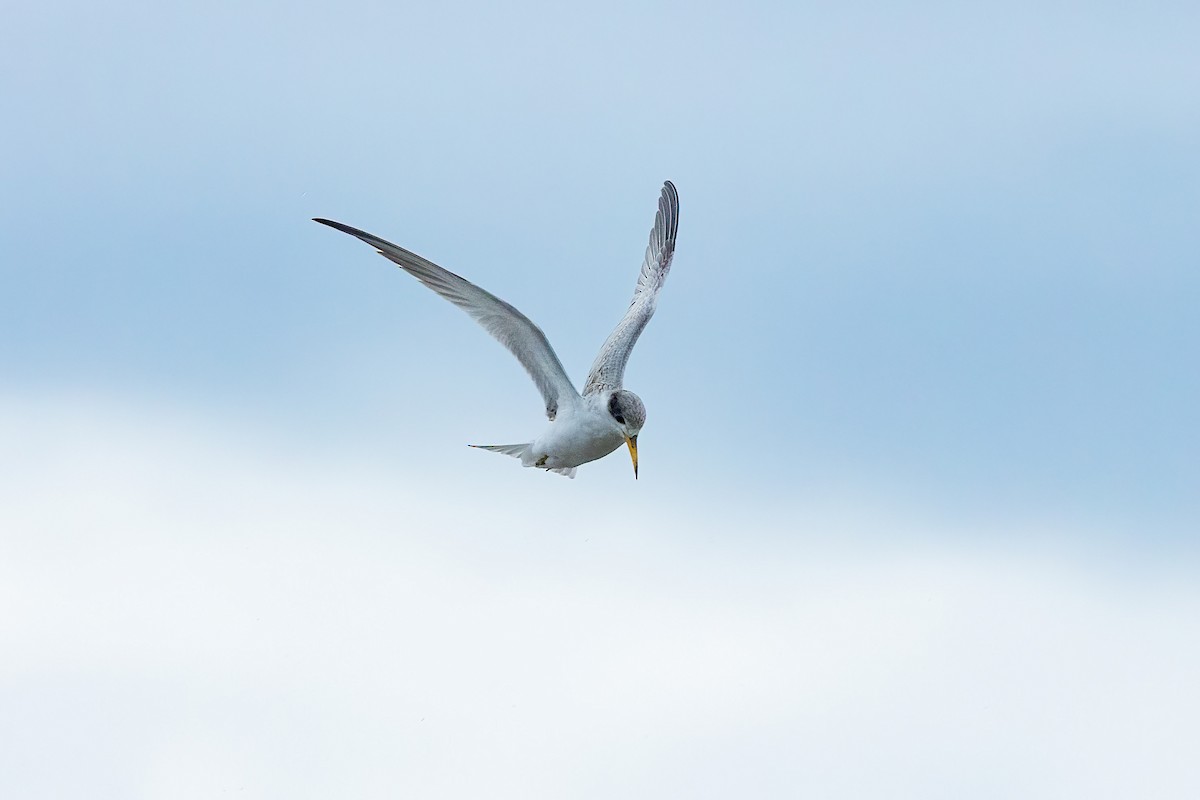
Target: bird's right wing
608,370
512,328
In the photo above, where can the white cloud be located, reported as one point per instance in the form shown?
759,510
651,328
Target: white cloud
188,610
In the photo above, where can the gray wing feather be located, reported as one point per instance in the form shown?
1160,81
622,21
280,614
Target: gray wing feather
508,325
608,370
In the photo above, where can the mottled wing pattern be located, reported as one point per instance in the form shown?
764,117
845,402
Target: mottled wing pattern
508,325
608,370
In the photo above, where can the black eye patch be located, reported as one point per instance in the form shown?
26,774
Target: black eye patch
619,419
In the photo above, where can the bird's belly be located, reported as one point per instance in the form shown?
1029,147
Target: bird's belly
571,445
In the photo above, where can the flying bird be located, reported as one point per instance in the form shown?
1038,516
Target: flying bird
583,427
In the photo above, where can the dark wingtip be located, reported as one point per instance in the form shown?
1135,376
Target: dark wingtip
338,226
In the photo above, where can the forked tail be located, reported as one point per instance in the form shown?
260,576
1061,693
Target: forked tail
518,451
514,450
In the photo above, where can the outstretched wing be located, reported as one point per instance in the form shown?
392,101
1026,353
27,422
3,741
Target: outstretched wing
513,329
608,370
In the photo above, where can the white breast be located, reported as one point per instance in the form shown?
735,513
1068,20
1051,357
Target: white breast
584,435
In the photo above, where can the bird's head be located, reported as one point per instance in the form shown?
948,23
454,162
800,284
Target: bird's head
629,415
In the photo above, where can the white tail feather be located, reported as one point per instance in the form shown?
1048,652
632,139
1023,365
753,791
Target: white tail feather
514,450
518,451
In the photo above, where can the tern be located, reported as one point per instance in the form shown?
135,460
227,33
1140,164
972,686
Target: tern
583,427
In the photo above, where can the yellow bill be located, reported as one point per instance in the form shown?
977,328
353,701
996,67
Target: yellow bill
632,442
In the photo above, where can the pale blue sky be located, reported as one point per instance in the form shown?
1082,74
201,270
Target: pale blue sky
931,323
940,247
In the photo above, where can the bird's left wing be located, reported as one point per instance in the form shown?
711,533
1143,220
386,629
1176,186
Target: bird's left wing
608,370
512,328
